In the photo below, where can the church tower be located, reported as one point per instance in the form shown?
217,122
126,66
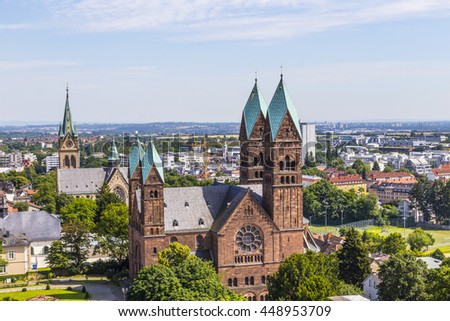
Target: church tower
251,138
69,145
282,186
113,157
146,210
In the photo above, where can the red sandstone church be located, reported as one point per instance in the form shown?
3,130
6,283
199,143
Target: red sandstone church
245,230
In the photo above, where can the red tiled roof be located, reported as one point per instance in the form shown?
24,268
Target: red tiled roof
350,178
377,175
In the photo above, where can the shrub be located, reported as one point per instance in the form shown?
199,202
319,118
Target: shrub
24,290
83,290
87,296
50,275
69,288
47,287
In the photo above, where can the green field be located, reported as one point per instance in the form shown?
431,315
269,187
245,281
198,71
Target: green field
442,237
61,294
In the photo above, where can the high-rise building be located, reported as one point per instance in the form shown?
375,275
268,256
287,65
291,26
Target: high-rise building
309,140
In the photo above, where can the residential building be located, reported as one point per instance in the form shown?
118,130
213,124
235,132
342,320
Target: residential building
51,162
419,165
376,177
442,173
391,192
349,182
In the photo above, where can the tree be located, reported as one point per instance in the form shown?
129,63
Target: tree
439,284
388,169
80,210
180,276
373,241
438,255
112,232
419,239
354,262
307,277
3,262
105,198
22,206
57,258
376,166
402,279
394,244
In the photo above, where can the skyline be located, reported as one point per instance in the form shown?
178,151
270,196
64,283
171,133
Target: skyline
140,62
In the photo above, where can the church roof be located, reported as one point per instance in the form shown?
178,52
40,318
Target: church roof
136,155
255,104
67,126
151,158
76,181
279,106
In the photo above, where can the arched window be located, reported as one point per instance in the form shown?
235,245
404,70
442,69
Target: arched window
289,163
66,161
261,298
235,282
73,161
175,223
152,195
155,250
45,250
252,280
201,222
281,166
263,280
293,179
151,231
186,204
173,239
282,179
156,194
287,179
199,240
256,174
230,282
255,161
246,280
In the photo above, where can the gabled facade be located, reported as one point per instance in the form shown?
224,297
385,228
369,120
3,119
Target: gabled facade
245,230
68,142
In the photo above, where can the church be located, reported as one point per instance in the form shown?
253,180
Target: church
245,230
85,182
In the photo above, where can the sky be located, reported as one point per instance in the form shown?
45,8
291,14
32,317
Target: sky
195,60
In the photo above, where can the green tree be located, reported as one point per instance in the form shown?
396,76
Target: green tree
76,240
313,171
3,262
439,284
45,197
394,244
180,276
306,277
22,206
376,166
62,200
112,232
403,278
438,255
57,257
354,262
388,169
105,198
373,241
80,210
419,239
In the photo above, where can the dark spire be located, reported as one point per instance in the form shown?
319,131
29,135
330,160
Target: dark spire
67,125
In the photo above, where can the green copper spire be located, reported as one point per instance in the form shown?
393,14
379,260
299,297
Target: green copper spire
280,105
151,158
113,158
67,125
255,104
136,155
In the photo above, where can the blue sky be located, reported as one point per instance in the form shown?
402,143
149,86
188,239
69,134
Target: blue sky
147,61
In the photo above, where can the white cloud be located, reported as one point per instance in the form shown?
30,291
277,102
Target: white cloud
25,65
236,19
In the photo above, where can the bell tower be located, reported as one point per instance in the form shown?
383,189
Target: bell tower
68,142
251,138
282,186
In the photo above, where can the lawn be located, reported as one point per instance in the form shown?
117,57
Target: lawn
442,237
61,294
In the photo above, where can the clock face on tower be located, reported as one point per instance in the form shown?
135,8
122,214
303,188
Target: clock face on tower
69,144
249,238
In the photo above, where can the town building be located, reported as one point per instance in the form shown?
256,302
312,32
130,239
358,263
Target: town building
349,182
442,173
245,230
51,162
391,192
